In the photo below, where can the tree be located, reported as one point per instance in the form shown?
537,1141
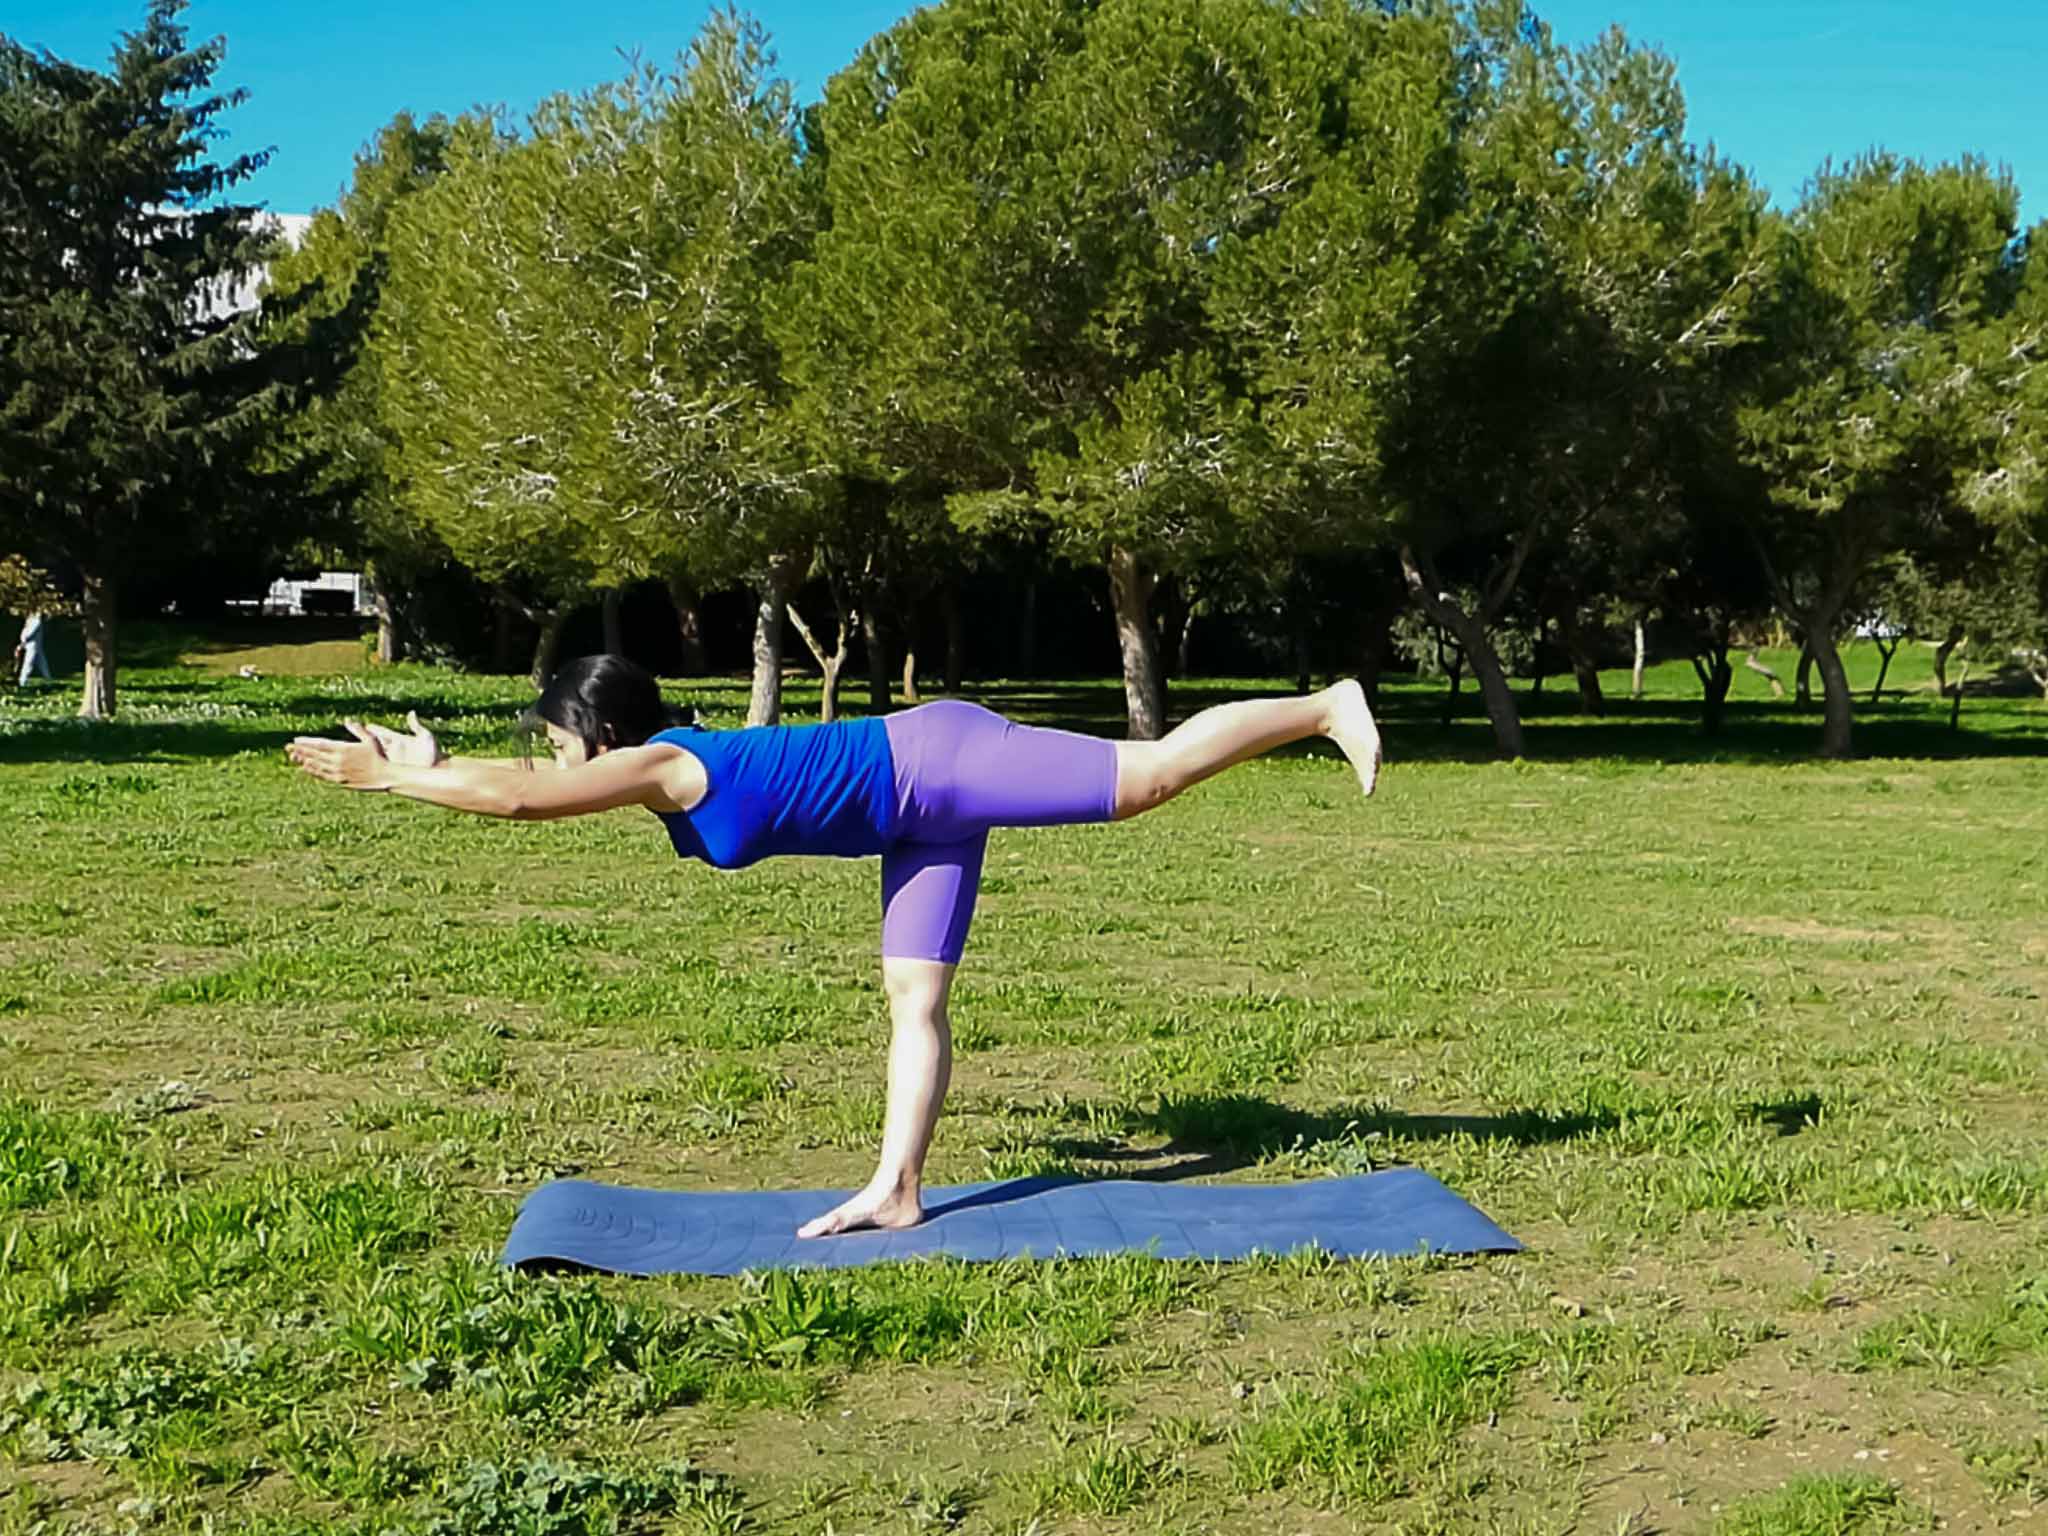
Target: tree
482,402
575,346
129,395
904,329
711,207
1007,309
326,294
1598,266
1878,406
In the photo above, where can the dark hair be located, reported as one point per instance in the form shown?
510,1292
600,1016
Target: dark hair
606,701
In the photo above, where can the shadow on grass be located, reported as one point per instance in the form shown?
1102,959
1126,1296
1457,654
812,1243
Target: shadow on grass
101,742
1788,1117
1211,1134
1217,1134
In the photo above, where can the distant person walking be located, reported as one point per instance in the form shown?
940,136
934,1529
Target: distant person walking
28,650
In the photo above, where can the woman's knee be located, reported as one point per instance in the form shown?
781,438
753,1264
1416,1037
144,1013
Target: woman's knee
916,986
1143,778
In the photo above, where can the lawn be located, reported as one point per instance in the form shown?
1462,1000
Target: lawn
1748,1048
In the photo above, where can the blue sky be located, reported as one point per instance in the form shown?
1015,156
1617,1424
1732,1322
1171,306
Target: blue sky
1777,84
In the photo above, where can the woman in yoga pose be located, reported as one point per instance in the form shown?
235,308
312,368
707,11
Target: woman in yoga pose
920,788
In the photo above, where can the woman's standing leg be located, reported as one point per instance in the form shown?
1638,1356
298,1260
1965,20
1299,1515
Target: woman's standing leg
928,892
920,1068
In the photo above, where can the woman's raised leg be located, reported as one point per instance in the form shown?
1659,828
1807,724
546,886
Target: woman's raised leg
1150,773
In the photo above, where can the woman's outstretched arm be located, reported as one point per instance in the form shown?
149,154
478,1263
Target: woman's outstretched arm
660,778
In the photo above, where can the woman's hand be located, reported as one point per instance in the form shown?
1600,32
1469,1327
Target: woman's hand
419,750
358,764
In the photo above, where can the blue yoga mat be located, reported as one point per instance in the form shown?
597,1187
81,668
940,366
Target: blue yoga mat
650,1231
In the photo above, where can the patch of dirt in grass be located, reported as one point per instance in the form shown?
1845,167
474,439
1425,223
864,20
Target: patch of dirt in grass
74,1488
1810,1425
847,1459
1805,930
308,658
1793,1406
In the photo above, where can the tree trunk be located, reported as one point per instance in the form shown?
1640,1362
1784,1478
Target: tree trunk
503,637
829,663
1591,700
910,671
1303,682
97,609
614,602
1493,687
1836,732
876,643
1955,707
552,623
1884,665
1942,652
956,637
1585,665
1456,673
387,622
1715,676
1751,663
1185,643
1027,632
1484,660
1635,682
1170,610
1130,596
689,626
764,707
1373,659
828,697
1802,692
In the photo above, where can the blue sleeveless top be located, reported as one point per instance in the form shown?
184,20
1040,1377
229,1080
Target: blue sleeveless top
817,789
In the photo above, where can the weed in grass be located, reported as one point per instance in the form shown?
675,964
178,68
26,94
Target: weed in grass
333,1462
1737,1418
938,1503
1821,1506
132,1404
46,1153
1389,1416
1099,1476
254,1234
1968,1342
550,1496
521,1348
2011,1469
469,1066
52,1275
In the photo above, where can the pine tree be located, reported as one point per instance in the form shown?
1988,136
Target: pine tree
127,398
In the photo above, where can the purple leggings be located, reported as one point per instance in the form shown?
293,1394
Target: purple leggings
961,769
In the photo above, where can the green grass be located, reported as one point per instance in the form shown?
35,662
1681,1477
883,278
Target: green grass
1746,1046
1818,1506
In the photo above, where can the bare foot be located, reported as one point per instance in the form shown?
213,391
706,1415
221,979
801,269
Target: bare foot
885,1209
1349,723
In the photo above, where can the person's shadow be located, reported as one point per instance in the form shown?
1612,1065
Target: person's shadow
1213,1134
